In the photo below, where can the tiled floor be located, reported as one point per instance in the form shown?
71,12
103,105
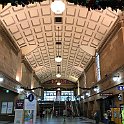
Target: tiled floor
58,120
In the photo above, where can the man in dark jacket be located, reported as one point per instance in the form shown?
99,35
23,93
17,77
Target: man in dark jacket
96,117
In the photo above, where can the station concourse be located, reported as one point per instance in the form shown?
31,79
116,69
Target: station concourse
61,61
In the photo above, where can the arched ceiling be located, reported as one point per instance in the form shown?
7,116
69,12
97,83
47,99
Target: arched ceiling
35,31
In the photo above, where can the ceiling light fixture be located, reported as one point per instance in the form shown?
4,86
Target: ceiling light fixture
1,78
58,6
58,57
58,88
116,77
88,94
82,97
96,89
58,75
19,90
58,83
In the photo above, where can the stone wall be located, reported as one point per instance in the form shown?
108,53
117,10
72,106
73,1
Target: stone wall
112,57
36,84
9,59
82,82
26,76
90,76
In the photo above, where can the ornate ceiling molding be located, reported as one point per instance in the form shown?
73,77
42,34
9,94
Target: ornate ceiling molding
34,30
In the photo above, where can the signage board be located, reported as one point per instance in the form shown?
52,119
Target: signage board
120,87
30,105
19,116
106,94
19,104
30,97
30,112
28,116
10,107
4,108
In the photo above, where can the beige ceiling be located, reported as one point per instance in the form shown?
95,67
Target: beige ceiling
34,30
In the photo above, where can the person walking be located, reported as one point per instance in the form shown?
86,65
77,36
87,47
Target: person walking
64,114
106,121
96,117
109,113
44,113
56,113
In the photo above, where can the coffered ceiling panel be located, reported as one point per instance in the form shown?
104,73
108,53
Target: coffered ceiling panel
35,31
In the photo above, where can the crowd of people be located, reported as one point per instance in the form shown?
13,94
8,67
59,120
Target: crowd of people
107,117
46,112
66,113
50,112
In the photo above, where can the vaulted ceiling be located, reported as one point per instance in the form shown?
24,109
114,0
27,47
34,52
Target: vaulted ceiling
35,31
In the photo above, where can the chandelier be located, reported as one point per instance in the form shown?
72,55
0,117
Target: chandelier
58,58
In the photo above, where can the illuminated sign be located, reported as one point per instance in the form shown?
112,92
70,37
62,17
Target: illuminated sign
30,97
121,87
106,94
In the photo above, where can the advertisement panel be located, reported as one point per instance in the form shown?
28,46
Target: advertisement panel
4,108
19,116
28,116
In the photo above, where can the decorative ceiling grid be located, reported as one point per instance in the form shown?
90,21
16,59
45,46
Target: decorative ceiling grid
35,31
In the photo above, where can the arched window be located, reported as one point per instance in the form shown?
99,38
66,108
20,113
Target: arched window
98,75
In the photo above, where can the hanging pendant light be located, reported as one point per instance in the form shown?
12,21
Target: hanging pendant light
58,75
57,6
58,57
58,83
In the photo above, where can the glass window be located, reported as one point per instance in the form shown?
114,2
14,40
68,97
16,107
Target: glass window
67,95
49,95
98,67
52,96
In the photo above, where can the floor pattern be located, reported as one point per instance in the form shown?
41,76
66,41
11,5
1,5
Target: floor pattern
61,121
58,120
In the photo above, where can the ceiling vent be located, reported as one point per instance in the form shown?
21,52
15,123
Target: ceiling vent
58,43
58,19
